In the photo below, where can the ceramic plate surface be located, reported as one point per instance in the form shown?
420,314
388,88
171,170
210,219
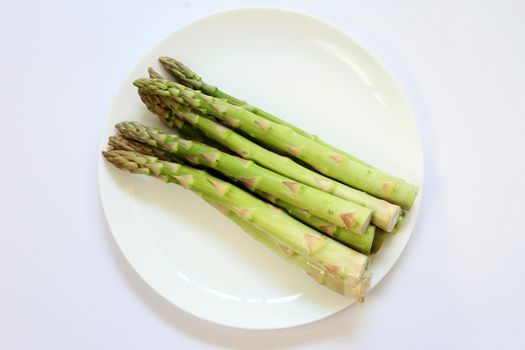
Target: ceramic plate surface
310,74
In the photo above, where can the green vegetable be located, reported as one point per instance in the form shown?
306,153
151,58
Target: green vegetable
323,159
384,214
323,252
185,76
360,243
324,205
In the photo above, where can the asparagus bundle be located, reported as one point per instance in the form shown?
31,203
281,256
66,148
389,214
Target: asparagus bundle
339,200
331,208
322,158
362,244
342,263
384,214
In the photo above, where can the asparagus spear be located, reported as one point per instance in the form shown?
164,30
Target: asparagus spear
325,160
357,242
362,244
384,214
322,276
185,76
324,205
342,262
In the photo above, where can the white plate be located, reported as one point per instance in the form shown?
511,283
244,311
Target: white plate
297,67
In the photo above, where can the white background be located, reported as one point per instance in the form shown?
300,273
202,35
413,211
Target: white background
460,283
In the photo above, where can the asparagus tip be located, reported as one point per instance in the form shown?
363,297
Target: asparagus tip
139,82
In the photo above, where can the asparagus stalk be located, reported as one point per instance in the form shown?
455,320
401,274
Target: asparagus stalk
362,243
185,76
384,214
322,276
323,159
324,205
344,263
